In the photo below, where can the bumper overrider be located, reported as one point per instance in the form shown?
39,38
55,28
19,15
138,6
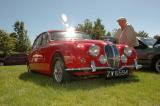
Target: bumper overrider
94,68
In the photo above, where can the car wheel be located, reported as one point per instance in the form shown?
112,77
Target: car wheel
58,71
157,65
1,63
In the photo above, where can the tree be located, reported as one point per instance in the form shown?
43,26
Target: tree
108,34
157,37
142,34
87,27
13,35
95,30
7,44
98,29
114,31
22,41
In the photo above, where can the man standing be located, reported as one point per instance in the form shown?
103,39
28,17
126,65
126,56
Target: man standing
126,34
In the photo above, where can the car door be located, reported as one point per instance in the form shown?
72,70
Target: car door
15,59
34,55
9,60
43,52
20,58
140,49
144,52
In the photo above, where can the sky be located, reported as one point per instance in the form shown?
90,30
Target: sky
44,15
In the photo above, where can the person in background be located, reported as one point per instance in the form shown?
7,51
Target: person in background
126,34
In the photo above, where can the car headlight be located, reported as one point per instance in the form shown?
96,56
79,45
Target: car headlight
94,50
124,59
127,51
103,59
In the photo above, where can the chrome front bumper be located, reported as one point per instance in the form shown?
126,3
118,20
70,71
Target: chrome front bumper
93,67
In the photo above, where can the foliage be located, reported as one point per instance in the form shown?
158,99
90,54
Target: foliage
23,43
7,44
114,31
98,29
142,34
19,88
16,41
95,29
157,37
86,27
108,34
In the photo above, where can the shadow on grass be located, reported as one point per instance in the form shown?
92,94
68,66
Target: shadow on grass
78,83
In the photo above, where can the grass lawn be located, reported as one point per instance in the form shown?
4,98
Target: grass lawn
19,88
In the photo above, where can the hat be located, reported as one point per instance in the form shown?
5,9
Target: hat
121,18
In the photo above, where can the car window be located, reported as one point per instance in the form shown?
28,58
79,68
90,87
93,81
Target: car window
141,45
68,36
148,41
111,39
44,39
38,42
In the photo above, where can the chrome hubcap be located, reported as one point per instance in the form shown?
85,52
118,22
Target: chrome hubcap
58,70
158,66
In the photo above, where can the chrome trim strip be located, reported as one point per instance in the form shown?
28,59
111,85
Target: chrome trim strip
117,56
106,54
86,68
114,56
101,68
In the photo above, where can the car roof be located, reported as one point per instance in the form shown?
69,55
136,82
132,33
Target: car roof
56,31
50,31
144,38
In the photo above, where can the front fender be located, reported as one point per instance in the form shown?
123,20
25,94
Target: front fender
131,58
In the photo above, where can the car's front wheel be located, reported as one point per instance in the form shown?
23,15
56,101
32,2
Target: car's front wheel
58,70
157,65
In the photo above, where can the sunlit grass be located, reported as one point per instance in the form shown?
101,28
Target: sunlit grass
19,88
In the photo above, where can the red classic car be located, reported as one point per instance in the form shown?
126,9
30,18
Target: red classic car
64,53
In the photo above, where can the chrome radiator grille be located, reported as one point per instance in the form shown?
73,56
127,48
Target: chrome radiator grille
113,55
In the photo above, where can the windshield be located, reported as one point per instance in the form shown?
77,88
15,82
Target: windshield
148,41
68,36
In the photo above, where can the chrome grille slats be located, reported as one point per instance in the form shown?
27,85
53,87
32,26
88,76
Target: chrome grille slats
117,56
113,55
109,54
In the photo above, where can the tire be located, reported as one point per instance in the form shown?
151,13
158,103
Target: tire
1,63
157,65
58,70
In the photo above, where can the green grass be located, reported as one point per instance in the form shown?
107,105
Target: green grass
19,88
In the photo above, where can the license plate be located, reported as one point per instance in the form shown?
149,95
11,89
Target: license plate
116,73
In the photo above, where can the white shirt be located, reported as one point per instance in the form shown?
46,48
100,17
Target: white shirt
127,36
